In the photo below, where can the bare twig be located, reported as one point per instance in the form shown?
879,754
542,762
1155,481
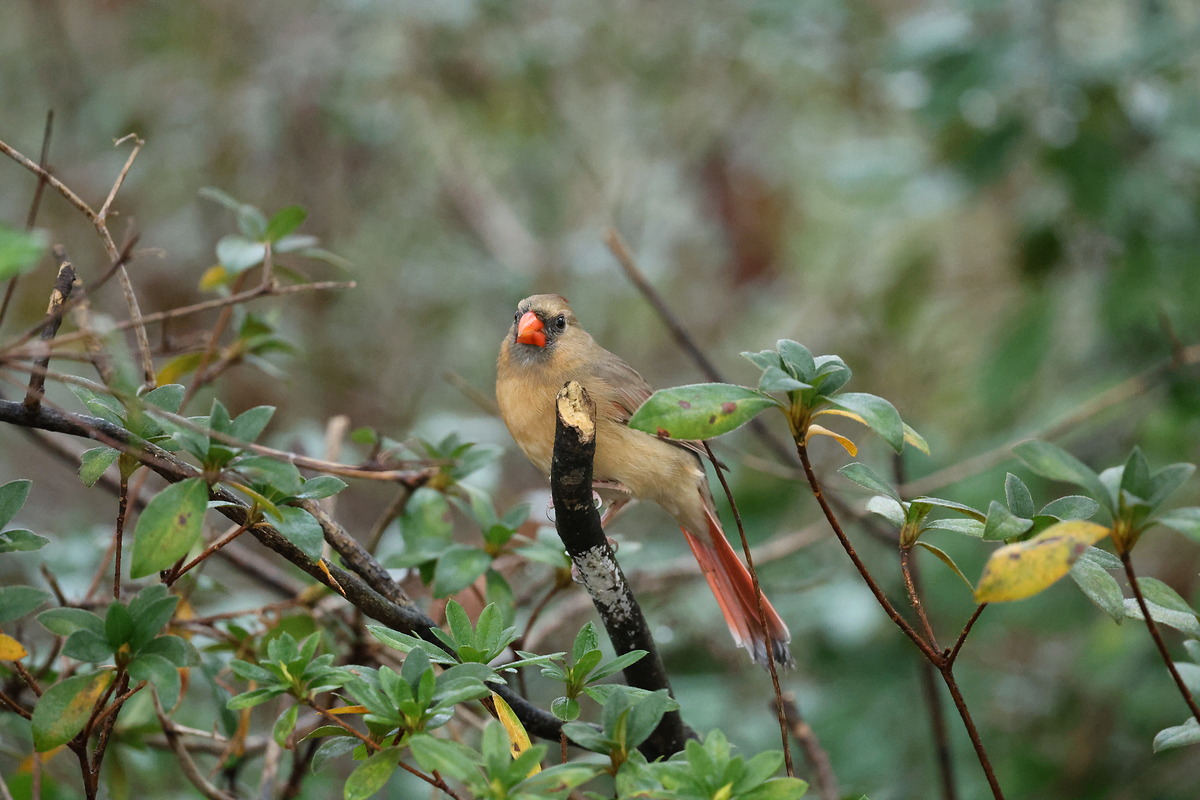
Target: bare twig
814,752
1156,635
58,296
762,613
186,764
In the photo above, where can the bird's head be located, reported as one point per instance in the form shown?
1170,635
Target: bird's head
540,323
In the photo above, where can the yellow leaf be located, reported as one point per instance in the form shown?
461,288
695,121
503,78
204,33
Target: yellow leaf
337,587
213,278
349,710
11,649
1023,569
174,370
516,731
841,412
821,430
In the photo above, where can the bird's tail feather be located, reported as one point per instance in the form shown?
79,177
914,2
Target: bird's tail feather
763,635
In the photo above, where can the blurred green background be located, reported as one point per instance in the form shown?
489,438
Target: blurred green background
988,209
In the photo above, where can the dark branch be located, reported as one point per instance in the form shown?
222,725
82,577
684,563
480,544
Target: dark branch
391,610
579,527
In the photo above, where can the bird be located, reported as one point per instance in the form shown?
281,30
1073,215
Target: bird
544,349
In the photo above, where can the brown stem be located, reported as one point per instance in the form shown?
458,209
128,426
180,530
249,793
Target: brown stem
814,753
122,510
947,671
929,688
941,735
760,600
1156,635
208,551
815,485
952,654
914,597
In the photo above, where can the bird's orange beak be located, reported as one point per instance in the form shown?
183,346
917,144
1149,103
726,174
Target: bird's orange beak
530,330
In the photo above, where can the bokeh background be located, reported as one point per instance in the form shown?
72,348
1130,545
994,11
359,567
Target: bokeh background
988,209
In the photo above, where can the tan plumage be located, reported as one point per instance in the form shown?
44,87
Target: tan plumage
545,348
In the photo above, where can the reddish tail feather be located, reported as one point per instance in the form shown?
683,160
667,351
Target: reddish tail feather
733,587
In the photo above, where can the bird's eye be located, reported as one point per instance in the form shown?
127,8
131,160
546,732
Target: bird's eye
517,316
560,322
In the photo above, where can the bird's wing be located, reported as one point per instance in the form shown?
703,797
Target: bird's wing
631,390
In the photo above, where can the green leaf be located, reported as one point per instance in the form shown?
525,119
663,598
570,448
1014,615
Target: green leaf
65,621
333,748
1100,587
168,527
17,601
159,672
586,736
556,780
238,254
887,507
19,540
285,725
301,529
966,527
444,756
699,411
65,708
458,568
319,487
251,423
617,664
87,645
1184,520
1135,477
1173,618
371,775
12,496
948,561
1157,592
867,478
1003,524
797,359
118,626
285,221
776,380
878,414
100,404
1165,481
565,708
1178,736
973,513
19,251
1023,569
1016,493
95,462
1073,506
255,697
1051,461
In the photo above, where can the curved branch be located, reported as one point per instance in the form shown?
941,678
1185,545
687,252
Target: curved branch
386,606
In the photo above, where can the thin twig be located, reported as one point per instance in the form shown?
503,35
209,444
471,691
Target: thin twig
1156,635
914,597
951,655
780,712
972,732
58,296
832,519
34,205
186,764
814,752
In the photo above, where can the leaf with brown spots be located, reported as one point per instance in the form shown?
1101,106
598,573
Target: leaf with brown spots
168,527
1023,569
699,411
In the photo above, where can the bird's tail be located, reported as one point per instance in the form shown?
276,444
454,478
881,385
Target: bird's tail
764,635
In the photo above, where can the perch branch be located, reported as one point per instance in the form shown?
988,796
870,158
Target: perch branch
578,525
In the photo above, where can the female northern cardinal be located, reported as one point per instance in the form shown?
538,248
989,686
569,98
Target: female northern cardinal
544,349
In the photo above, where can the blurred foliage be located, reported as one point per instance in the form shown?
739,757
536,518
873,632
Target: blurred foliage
989,209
